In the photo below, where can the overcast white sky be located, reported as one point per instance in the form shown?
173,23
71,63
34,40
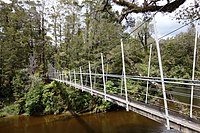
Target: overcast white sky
165,22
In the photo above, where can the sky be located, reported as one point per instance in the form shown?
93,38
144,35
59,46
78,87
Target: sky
167,23
164,22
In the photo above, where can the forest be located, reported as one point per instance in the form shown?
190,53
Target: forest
68,34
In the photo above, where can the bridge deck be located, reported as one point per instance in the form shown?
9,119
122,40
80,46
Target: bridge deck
176,121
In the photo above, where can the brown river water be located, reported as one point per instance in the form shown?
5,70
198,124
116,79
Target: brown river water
110,122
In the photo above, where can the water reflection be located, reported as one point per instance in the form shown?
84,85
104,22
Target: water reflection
111,122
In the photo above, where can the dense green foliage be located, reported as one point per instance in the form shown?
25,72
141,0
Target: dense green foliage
55,98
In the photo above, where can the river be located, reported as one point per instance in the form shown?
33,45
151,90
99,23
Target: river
110,122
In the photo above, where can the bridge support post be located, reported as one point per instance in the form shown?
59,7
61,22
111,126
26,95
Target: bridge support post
81,79
149,66
124,72
193,69
161,75
104,83
90,78
75,77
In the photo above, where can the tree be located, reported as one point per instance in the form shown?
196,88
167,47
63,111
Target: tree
189,13
178,54
102,33
144,32
23,35
14,48
147,6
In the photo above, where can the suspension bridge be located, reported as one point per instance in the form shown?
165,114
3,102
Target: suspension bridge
172,101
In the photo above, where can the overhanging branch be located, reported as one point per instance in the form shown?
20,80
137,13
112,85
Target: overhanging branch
146,7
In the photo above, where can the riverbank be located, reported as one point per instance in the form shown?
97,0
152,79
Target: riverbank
50,118
12,111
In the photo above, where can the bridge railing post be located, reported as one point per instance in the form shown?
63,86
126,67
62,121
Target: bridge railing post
90,78
104,83
124,72
81,78
149,66
161,74
193,69
86,78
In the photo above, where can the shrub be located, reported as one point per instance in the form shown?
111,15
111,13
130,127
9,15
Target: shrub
12,109
54,98
33,103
